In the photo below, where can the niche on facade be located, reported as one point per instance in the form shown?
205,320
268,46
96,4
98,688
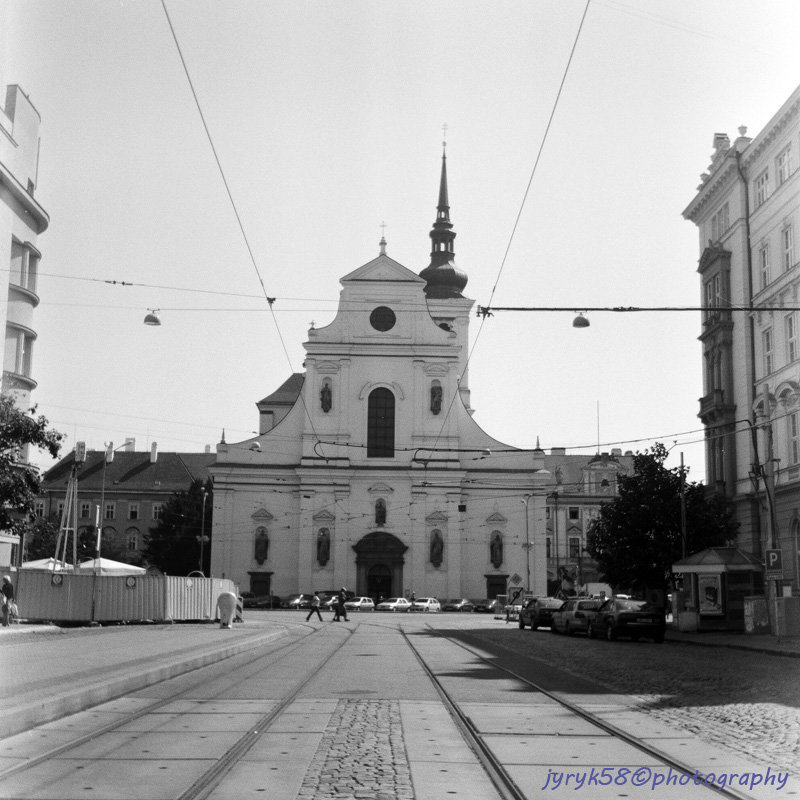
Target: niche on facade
496,549
326,395
261,546
323,546
436,397
380,511
436,548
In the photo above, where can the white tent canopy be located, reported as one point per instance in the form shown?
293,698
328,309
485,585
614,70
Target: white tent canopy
46,563
105,566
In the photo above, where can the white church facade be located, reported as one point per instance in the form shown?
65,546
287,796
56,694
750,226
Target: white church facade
369,471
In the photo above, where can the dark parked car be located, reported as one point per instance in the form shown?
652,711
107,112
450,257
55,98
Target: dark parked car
538,612
487,606
631,618
250,600
574,615
457,604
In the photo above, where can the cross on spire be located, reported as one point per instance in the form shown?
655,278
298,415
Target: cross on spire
444,135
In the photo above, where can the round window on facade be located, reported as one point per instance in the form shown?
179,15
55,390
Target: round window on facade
382,318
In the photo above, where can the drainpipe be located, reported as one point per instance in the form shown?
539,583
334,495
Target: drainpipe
752,331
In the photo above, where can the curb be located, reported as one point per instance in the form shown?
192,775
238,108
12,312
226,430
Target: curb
771,651
110,686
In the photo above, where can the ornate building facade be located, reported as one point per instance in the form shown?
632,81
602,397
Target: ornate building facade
747,210
369,471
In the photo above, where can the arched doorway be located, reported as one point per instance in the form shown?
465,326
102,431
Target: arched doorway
379,565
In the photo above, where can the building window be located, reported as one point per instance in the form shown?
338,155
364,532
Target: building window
132,539
133,511
158,508
763,265
60,509
794,439
38,509
784,162
574,512
110,511
574,547
766,339
762,188
380,424
19,346
787,248
380,512
549,547
720,223
791,337
86,510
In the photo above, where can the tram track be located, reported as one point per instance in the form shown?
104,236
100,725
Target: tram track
497,772
248,665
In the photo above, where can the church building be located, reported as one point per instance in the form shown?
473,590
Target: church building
369,471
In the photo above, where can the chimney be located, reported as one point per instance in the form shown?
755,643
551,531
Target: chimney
207,448
153,452
130,444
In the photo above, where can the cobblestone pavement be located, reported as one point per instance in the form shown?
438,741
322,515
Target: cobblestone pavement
748,702
361,755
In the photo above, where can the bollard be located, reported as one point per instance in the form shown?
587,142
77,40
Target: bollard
239,616
226,606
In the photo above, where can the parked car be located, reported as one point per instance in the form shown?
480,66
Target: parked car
631,618
360,604
574,615
297,601
458,604
486,606
394,604
250,600
538,612
430,604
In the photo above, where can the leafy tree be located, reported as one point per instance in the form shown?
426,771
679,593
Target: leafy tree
637,537
173,545
19,480
40,539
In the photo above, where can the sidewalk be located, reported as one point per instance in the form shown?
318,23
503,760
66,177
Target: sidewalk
49,671
757,642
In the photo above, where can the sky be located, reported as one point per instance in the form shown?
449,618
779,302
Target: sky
327,121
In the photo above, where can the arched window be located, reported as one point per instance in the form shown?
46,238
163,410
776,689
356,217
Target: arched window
380,424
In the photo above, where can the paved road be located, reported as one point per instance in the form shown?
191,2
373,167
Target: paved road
368,723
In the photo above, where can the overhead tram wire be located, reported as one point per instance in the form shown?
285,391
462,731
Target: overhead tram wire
270,300
519,212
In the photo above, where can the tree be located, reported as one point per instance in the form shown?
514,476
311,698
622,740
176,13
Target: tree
19,480
637,537
173,545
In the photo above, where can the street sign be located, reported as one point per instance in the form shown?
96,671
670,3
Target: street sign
773,564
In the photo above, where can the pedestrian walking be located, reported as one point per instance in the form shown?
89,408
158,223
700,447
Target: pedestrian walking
315,602
341,609
9,606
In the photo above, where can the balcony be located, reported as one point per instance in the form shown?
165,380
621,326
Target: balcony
714,409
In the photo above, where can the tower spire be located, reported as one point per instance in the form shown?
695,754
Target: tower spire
444,278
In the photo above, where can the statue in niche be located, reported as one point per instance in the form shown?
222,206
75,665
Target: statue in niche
437,548
323,547
436,398
326,398
380,512
496,549
262,546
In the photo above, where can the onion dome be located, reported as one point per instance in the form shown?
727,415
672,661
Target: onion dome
444,278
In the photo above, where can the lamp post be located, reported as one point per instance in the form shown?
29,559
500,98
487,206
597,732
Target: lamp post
527,544
202,538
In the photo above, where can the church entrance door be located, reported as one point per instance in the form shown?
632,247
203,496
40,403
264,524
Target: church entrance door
379,582
379,565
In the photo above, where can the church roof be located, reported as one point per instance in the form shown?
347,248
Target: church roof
287,392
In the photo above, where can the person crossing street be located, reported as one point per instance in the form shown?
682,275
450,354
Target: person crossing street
315,603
